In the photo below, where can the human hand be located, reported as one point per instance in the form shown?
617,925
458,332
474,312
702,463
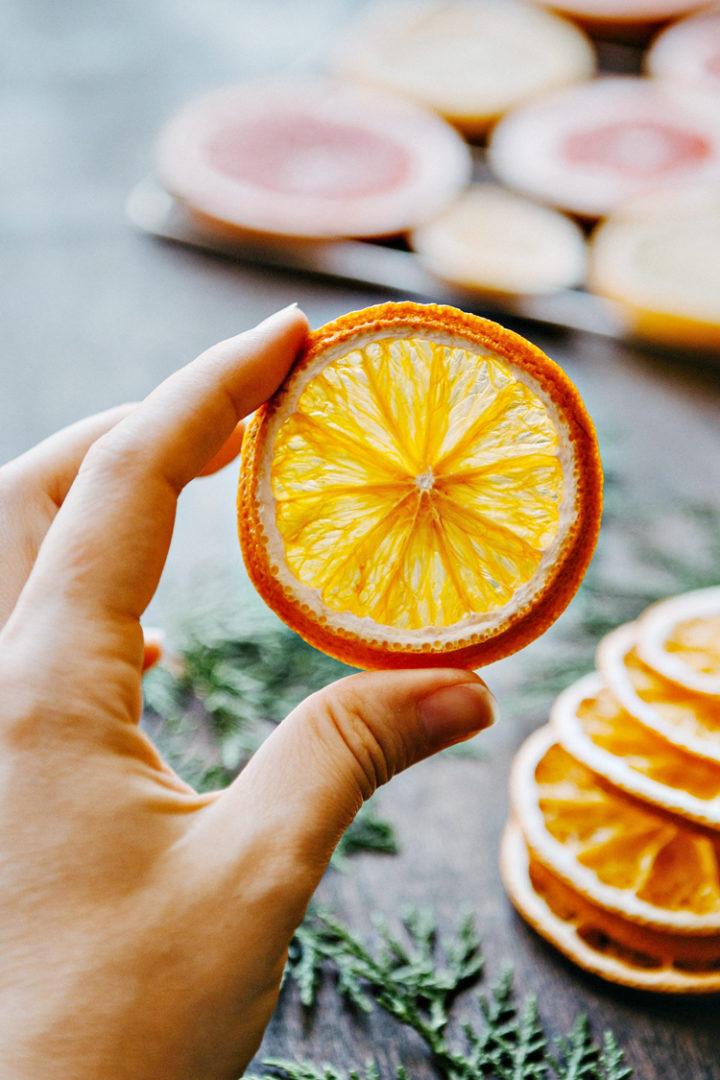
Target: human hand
144,927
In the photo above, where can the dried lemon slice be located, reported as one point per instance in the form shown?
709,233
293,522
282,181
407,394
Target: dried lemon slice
599,942
494,241
424,488
680,639
649,868
594,728
688,721
469,61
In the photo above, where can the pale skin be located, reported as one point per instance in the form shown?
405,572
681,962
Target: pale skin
143,926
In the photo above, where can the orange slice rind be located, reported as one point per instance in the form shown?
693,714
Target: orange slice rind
688,721
680,638
597,941
424,488
649,868
594,729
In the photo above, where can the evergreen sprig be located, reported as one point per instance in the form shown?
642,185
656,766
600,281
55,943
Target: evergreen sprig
416,976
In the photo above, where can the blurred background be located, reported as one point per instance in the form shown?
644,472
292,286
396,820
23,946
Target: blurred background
96,310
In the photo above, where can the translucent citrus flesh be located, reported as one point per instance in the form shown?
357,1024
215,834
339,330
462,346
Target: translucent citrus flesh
608,726
662,862
631,950
697,643
415,488
676,707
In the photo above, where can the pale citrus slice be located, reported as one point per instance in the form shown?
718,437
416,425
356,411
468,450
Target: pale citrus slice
658,260
495,241
598,941
469,61
424,488
686,720
594,728
680,639
307,158
622,15
652,869
590,147
688,51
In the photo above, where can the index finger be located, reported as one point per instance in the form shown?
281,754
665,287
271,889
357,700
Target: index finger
102,558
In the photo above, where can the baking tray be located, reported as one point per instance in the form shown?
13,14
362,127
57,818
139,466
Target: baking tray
376,265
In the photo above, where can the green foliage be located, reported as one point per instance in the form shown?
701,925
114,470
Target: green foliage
416,977
238,680
305,1070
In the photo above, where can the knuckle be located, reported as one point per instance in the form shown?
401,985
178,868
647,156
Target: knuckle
343,718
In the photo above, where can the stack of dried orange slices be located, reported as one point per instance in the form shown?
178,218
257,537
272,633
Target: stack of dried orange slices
613,850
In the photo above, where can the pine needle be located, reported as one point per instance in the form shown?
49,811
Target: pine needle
417,977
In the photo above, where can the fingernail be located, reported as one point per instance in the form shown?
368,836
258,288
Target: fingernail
457,712
279,314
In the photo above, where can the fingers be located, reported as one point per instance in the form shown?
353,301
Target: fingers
32,488
52,465
103,556
308,780
227,452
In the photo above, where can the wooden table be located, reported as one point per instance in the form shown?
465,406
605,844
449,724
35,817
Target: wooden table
95,314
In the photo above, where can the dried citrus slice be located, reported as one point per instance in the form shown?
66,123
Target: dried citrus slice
495,241
686,720
680,639
688,51
469,61
424,488
621,854
598,941
590,147
657,259
306,158
594,728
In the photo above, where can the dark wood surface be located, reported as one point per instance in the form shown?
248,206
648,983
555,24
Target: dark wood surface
94,313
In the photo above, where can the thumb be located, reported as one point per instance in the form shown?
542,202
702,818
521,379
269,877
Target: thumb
309,778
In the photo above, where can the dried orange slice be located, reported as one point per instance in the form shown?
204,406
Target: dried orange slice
686,720
650,868
594,729
598,941
424,488
680,639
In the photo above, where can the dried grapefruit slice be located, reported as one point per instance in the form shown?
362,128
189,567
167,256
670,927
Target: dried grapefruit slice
495,241
594,729
469,61
688,51
598,941
306,158
590,147
680,639
650,868
424,488
686,720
